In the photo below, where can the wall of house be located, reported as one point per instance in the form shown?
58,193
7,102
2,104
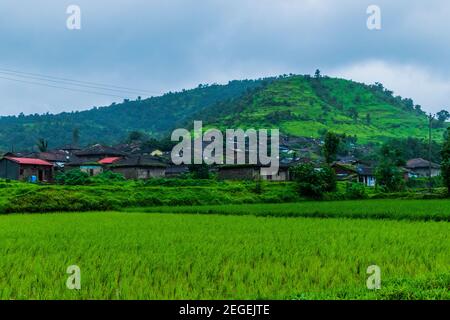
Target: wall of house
423,172
42,173
9,170
369,181
282,175
91,170
133,173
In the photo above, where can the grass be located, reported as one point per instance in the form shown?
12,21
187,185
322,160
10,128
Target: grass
436,210
161,256
18,197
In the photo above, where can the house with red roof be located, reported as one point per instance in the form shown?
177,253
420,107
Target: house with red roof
26,169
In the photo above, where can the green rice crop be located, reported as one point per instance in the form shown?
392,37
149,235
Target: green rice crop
437,210
167,256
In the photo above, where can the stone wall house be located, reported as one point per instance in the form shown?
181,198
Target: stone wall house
140,167
91,168
251,172
421,168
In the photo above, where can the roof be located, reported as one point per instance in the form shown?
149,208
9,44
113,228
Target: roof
80,163
70,147
51,156
140,161
344,166
365,171
101,150
109,160
30,161
421,163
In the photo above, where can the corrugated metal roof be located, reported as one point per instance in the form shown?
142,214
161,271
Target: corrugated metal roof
30,161
109,160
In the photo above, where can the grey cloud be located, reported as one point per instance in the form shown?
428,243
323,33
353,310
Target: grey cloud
163,45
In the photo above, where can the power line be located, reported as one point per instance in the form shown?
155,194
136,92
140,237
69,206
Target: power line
59,87
105,86
67,83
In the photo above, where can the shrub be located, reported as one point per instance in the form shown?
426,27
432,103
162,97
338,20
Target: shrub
314,182
107,176
73,178
389,177
355,191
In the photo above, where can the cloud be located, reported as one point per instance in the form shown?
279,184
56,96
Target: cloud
163,45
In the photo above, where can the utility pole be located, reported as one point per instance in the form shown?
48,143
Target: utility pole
430,186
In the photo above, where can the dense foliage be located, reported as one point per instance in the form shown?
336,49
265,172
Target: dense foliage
155,116
314,182
446,163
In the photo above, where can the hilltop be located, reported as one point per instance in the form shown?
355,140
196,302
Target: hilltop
301,106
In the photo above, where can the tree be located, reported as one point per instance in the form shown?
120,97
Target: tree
199,171
331,146
314,182
443,115
353,113
388,174
42,145
445,167
368,119
136,136
76,137
317,74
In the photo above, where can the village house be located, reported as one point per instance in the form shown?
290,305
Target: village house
109,160
173,171
98,152
139,167
345,171
355,172
251,172
421,168
89,167
26,169
366,175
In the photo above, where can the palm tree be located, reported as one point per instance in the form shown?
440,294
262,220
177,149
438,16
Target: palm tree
42,145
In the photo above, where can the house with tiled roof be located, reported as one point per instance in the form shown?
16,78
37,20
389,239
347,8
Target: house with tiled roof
26,169
140,167
421,168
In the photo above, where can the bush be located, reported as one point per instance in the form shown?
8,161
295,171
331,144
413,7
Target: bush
422,183
107,176
72,178
355,191
314,182
389,177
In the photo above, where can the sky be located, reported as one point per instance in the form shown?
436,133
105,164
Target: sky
156,46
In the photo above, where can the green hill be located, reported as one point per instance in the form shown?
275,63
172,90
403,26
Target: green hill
300,106
306,107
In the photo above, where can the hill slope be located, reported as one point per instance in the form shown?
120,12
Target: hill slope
155,116
298,105
306,107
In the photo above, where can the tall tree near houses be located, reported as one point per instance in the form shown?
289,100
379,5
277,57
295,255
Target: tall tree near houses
76,137
331,146
445,167
42,145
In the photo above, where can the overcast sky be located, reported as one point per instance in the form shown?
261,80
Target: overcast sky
161,45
